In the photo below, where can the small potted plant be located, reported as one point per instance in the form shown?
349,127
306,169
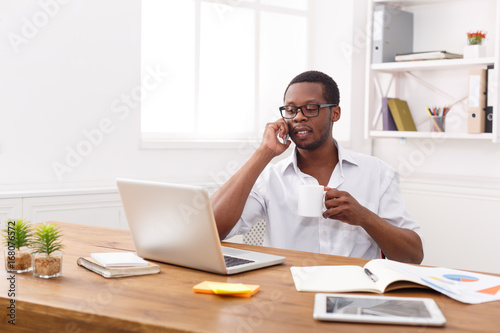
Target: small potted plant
17,237
476,38
47,255
475,47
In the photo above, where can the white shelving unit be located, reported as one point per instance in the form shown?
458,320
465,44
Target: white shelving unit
397,73
408,66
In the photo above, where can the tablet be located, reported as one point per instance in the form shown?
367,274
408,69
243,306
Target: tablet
378,309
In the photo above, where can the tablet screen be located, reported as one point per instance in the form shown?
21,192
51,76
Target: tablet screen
376,307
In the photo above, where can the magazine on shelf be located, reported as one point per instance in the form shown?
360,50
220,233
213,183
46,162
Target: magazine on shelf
427,55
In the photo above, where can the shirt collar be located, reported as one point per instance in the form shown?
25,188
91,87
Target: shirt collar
343,154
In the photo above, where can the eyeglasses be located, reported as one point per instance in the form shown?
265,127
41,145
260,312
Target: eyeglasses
308,110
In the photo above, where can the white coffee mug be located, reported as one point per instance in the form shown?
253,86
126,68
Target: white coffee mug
311,200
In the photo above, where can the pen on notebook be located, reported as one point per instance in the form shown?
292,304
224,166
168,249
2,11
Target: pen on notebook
371,275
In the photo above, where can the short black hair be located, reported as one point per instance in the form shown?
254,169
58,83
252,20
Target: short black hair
330,89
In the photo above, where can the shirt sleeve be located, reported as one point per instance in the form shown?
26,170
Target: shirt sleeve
392,207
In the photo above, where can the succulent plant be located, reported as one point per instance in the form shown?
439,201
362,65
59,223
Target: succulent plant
46,239
18,233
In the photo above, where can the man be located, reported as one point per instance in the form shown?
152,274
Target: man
365,214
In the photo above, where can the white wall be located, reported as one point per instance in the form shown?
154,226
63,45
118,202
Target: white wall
59,91
70,67
459,220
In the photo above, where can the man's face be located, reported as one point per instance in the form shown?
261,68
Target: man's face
309,133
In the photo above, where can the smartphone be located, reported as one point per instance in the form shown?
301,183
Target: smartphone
378,309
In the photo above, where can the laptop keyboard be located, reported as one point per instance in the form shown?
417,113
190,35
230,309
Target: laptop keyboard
233,261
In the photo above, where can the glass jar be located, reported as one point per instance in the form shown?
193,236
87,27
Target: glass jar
47,266
18,260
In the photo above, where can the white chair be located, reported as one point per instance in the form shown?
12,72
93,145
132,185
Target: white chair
255,236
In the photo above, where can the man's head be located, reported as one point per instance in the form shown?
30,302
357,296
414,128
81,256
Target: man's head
315,90
330,88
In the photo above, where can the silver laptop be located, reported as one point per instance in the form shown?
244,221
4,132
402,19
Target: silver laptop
174,224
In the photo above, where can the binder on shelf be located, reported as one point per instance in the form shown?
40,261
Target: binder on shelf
477,101
491,91
491,85
488,121
392,33
401,114
388,123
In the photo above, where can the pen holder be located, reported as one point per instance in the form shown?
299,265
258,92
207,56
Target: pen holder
437,123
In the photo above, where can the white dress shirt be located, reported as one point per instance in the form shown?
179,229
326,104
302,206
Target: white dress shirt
373,183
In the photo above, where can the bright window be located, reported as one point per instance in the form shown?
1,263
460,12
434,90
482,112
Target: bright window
227,63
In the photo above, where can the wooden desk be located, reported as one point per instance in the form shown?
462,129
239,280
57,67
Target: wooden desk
82,301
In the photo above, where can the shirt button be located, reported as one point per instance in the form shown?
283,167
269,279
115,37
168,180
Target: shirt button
324,233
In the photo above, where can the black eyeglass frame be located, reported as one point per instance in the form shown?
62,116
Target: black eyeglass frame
299,107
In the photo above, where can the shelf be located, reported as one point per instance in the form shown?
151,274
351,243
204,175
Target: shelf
437,80
406,66
429,135
403,3
407,2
